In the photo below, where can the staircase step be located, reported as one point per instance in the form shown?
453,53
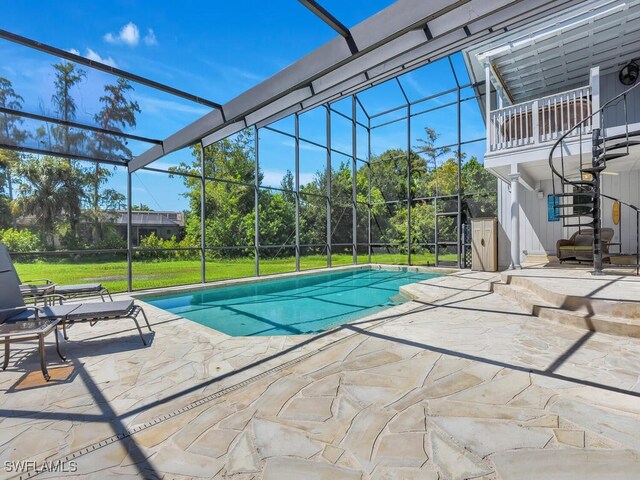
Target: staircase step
574,215
574,194
612,156
545,305
615,146
592,170
567,205
635,133
584,184
579,225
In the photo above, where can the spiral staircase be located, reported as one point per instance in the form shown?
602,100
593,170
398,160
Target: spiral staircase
580,191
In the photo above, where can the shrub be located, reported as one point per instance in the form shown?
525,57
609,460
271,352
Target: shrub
111,241
153,247
21,241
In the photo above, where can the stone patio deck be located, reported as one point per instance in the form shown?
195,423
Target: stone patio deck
460,383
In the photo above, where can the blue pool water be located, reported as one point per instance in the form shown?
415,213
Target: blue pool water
292,306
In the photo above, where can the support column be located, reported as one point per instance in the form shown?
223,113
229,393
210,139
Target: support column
487,104
328,177
369,190
256,202
515,220
129,235
354,182
203,224
297,187
409,239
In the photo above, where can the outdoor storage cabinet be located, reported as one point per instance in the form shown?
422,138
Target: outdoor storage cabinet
484,244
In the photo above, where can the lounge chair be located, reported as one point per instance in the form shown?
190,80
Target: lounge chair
14,309
37,289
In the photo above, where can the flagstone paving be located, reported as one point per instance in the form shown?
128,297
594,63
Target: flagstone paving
460,383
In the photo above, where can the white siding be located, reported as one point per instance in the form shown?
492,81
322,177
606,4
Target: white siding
610,86
625,187
538,235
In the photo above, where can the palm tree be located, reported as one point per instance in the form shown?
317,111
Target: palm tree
49,190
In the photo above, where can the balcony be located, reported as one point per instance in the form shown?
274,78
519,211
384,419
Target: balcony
543,120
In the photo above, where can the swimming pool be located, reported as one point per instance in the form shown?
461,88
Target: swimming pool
292,306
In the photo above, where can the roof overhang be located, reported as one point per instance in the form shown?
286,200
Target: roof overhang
556,53
402,37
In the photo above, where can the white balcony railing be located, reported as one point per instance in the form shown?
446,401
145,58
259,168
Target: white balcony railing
541,120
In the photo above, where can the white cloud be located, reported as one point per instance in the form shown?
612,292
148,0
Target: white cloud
95,56
128,34
151,105
150,38
91,55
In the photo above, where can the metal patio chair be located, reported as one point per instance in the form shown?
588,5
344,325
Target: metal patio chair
14,309
39,288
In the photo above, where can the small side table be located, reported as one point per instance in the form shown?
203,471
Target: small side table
21,331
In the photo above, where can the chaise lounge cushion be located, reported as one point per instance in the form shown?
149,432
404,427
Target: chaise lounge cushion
37,290
85,287
54,311
97,310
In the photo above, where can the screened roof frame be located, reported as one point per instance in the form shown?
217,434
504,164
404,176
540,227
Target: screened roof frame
402,37
398,38
85,127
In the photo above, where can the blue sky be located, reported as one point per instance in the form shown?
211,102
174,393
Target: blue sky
213,49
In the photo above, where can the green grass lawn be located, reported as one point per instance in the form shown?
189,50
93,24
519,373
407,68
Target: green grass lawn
152,274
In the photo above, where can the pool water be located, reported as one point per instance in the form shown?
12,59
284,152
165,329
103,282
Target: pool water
292,306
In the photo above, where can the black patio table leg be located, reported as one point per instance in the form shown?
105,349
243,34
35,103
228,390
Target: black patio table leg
7,350
64,330
43,357
56,333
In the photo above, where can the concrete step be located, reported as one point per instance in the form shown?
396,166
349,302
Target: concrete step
548,309
537,258
595,306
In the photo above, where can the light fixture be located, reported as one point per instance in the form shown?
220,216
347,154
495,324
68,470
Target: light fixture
629,73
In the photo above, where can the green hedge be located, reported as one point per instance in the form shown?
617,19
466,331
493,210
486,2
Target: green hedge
21,240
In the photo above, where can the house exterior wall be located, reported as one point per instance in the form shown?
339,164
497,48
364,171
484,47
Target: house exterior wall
610,86
539,236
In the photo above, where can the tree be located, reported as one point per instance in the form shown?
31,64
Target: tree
68,141
480,186
430,182
8,161
141,207
117,113
10,131
288,185
67,76
44,191
10,134
229,206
